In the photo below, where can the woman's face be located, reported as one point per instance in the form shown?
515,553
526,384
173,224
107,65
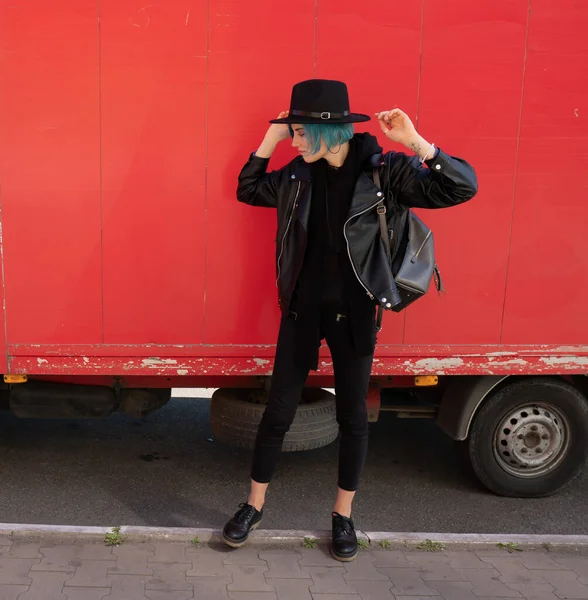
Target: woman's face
300,143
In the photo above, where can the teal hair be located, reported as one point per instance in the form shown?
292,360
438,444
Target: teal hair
334,135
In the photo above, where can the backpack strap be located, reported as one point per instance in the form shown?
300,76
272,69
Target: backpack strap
381,208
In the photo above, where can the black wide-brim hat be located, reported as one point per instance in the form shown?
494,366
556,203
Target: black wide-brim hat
320,101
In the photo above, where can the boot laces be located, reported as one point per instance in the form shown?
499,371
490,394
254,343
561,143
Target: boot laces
343,525
246,512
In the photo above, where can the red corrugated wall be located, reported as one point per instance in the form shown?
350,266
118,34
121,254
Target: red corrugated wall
123,127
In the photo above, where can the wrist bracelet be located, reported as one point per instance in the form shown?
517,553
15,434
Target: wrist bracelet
431,147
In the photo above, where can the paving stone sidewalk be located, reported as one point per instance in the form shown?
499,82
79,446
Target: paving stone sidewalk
66,570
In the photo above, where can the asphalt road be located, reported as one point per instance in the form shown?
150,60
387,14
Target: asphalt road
166,470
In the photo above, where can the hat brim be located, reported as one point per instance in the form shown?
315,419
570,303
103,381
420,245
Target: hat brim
351,118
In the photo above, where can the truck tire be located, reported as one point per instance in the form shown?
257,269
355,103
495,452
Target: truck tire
140,402
235,416
530,438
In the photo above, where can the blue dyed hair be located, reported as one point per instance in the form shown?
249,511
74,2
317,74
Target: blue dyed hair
334,135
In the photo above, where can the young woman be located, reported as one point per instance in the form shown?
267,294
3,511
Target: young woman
329,269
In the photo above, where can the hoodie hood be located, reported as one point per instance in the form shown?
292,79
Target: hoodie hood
367,146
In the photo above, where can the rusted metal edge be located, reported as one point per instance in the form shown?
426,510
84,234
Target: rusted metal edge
210,366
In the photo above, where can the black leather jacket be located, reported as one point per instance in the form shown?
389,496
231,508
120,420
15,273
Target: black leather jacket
448,181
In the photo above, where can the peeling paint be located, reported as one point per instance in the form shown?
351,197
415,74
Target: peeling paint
570,350
510,363
156,362
234,361
577,361
261,362
434,364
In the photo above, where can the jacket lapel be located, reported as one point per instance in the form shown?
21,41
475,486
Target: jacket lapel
365,195
301,175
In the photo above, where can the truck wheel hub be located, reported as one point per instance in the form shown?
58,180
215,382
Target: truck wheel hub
531,440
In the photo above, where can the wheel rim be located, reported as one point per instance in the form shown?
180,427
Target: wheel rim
532,440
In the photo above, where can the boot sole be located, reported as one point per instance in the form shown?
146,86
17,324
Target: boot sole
233,544
345,558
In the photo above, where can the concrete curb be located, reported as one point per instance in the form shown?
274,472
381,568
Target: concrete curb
478,539
19,529
269,537
265,537
289,537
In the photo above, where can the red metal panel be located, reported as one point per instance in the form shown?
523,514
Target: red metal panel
3,341
470,105
165,87
548,274
153,65
381,68
49,161
258,49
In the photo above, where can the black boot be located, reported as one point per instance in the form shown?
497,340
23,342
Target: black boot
344,538
245,520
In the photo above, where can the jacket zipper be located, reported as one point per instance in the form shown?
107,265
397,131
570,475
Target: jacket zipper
369,293
286,232
416,256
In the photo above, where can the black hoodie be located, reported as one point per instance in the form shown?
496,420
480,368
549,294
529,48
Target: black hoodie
326,284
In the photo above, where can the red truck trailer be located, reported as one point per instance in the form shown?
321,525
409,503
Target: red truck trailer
129,268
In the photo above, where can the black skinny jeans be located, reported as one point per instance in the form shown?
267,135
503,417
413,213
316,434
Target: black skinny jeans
352,373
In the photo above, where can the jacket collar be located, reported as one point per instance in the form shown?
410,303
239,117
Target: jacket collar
366,192
301,169
364,195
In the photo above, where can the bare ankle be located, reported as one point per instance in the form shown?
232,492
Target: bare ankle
257,494
256,502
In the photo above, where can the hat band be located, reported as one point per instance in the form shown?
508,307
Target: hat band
320,115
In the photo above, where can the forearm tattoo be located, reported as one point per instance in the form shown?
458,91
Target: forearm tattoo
415,147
